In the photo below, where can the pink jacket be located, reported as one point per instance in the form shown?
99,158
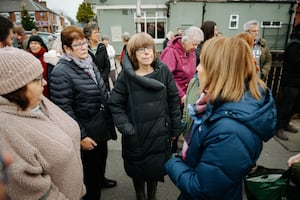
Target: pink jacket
181,64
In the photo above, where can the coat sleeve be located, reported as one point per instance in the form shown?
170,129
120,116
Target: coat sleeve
28,178
293,55
62,94
168,57
192,95
111,52
173,102
105,67
267,62
211,172
119,106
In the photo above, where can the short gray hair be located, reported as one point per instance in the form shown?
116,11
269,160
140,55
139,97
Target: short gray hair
250,23
192,34
126,36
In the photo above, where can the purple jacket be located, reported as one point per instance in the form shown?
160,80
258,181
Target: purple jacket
181,64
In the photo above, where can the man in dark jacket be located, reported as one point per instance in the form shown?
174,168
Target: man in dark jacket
98,51
260,49
290,84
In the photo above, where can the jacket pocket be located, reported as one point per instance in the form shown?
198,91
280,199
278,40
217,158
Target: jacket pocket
131,147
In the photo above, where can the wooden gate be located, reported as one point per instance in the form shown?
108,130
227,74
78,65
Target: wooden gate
274,77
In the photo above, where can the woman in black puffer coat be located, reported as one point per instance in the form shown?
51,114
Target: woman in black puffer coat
145,109
77,88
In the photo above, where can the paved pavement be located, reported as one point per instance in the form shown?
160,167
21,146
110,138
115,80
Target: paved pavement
274,155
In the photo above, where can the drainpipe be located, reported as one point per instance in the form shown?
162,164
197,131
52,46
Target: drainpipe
291,12
138,16
203,11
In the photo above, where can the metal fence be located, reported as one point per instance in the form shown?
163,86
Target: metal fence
276,37
274,77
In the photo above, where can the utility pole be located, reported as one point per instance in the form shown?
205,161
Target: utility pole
138,16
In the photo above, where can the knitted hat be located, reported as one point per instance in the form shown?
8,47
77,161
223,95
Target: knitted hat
37,38
17,69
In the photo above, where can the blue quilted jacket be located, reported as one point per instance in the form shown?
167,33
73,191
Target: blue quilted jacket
224,149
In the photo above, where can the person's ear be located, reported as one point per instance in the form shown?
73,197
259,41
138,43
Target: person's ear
67,49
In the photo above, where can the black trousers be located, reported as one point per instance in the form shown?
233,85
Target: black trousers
94,163
287,105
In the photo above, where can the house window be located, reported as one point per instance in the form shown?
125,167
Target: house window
154,23
41,15
271,24
124,12
5,15
32,16
233,21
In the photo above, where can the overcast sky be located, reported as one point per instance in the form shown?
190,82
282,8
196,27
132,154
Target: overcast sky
69,7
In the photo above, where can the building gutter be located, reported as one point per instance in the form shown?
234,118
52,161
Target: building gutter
291,12
133,6
203,11
238,1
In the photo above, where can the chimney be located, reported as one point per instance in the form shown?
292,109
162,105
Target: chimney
43,3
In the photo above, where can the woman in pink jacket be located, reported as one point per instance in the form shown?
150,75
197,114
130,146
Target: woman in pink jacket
180,57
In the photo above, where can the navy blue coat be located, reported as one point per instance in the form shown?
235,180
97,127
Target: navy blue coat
75,92
225,149
146,112
101,60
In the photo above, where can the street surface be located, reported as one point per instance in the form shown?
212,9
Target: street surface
274,155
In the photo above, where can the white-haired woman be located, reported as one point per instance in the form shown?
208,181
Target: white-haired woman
180,57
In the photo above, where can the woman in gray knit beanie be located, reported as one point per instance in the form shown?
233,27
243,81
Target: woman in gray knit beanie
43,141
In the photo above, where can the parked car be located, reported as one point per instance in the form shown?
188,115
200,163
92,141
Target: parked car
47,37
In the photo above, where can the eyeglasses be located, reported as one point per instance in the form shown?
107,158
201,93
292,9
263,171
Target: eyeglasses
80,45
40,79
143,49
195,44
95,32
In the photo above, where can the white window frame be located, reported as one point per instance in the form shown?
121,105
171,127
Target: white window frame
6,14
32,15
273,24
160,16
18,17
233,18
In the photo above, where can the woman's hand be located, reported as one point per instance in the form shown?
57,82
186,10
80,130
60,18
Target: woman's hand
294,159
185,147
88,144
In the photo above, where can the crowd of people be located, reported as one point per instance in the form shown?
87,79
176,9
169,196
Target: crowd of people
178,113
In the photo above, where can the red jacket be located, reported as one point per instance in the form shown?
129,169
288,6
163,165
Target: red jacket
40,56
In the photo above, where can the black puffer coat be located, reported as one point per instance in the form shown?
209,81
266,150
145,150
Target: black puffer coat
75,92
101,60
291,63
146,112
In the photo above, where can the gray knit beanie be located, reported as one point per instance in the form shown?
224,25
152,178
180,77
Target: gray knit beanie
17,69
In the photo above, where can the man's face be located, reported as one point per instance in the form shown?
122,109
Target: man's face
254,30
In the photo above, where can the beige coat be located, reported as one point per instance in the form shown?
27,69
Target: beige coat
45,150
